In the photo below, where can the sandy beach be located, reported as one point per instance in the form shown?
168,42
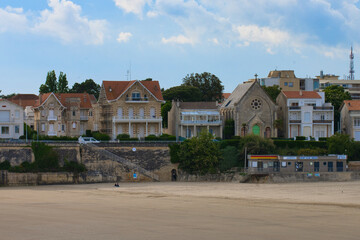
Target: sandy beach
323,210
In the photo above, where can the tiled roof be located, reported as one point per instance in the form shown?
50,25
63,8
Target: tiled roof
24,100
301,94
85,99
198,105
226,95
114,89
237,94
352,105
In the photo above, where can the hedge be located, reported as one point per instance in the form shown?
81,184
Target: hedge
300,144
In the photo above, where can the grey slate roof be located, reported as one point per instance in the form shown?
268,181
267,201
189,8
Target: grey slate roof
237,94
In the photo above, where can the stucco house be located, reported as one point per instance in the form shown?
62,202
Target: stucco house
350,118
188,119
130,107
27,101
252,110
11,120
64,114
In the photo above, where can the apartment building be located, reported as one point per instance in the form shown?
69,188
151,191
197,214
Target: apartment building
350,118
11,120
27,101
130,107
64,114
188,119
305,113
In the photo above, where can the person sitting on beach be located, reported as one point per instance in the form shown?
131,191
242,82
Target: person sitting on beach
116,185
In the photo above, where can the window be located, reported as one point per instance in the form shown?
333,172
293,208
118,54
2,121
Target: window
73,113
63,127
4,116
294,104
17,113
152,112
357,122
285,83
307,117
90,113
135,96
74,125
43,113
17,129
120,112
43,127
291,84
256,104
4,130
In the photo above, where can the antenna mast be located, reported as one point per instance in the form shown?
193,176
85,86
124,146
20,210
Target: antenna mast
352,71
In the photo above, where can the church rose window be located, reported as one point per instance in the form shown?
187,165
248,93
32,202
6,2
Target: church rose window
256,104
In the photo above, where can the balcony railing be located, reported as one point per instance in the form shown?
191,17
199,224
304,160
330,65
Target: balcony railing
294,108
84,118
7,121
51,133
295,121
322,121
136,118
324,108
52,118
200,122
129,99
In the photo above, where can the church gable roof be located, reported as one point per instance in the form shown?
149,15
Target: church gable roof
237,94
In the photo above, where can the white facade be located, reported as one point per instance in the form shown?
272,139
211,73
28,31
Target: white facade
11,120
310,117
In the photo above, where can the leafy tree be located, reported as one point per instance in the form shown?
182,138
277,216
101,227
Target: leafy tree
183,93
165,108
50,83
273,91
336,95
46,159
311,152
256,145
7,96
199,154
339,144
229,128
230,158
88,86
62,84
209,85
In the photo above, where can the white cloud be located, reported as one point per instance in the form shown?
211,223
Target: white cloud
124,37
64,21
132,6
12,19
180,39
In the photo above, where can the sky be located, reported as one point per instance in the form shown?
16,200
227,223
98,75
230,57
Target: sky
167,39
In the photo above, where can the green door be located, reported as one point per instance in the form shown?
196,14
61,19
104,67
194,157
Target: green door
256,130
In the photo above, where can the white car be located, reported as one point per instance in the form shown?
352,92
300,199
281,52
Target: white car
85,140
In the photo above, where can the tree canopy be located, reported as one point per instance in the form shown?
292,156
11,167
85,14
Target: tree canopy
88,86
62,84
51,83
336,96
183,93
273,91
209,85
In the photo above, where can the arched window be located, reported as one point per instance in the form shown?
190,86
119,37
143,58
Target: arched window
268,132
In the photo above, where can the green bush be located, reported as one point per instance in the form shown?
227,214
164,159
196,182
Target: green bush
229,142
46,159
101,136
55,138
299,144
174,150
164,137
323,139
74,167
88,133
5,165
300,138
256,145
230,158
312,152
123,136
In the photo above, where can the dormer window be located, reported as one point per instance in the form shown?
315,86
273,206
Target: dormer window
135,96
110,90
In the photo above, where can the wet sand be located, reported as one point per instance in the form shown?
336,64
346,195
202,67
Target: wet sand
182,211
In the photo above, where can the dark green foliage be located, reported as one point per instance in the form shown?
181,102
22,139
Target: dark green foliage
88,133
339,143
62,84
354,151
312,152
174,152
53,138
183,93
7,96
299,144
164,137
229,142
229,129
209,85
5,165
88,86
230,158
165,108
123,136
256,145
323,139
101,136
74,167
51,83
46,159
300,138
272,91
336,95
199,154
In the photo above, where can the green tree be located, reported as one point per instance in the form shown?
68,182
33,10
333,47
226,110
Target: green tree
88,86
256,145
336,96
46,159
272,91
165,108
339,144
199,154
229,129
183,93
230,158
209,85
62,84
50,83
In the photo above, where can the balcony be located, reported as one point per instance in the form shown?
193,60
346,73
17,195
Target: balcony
295,121
295,108
51,133
200,122
126,119
52,118
136,100
84,118
324,108
322,121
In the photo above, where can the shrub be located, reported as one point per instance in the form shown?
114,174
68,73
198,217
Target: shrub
256,145
339,143
229,128
88,133
229,142
46,159
123,136
299,144
174,150
5,165
311,152
74,167
101,136
300,138
323,139
230,158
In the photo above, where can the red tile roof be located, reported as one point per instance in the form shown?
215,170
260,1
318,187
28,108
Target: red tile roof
226,95
85,99
352,105
114,89
24,100
301,94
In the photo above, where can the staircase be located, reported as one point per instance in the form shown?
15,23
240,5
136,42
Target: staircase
121,160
